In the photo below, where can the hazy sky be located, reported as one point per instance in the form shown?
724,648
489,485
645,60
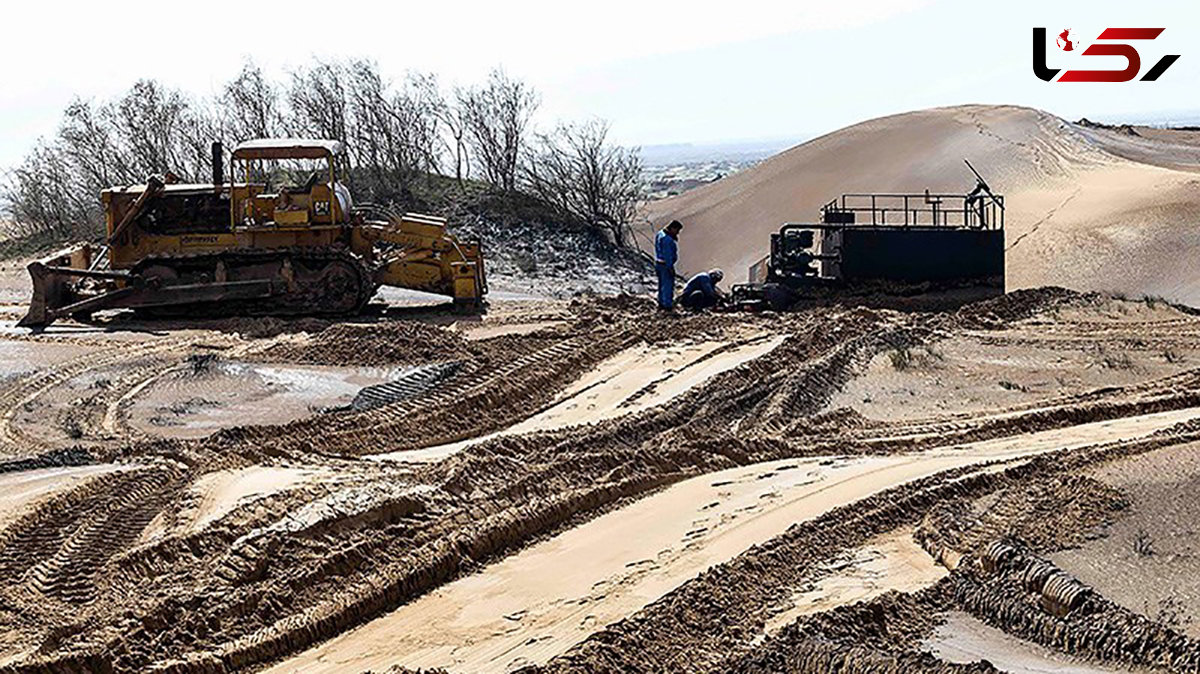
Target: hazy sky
661,72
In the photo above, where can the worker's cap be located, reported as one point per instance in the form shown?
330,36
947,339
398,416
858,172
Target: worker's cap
675,224
716,275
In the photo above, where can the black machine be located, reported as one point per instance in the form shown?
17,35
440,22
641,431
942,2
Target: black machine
890,241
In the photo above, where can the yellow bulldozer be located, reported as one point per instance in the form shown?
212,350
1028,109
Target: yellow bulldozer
272,243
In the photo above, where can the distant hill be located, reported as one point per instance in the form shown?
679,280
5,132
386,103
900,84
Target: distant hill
1090,208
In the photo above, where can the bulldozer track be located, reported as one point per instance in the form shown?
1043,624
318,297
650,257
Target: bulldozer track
59,550
307,303
409,386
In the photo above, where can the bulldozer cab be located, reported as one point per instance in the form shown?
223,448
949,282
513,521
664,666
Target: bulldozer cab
287,183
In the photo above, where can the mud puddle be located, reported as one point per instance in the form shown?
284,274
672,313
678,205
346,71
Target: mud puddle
632,381
964,639
191,403
19,357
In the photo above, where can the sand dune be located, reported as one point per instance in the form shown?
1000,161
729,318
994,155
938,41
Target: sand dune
1088,208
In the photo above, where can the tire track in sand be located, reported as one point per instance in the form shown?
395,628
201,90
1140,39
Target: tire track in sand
536,604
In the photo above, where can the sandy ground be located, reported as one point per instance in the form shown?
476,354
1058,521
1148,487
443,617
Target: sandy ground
1150,560
1087,208
644,377
537,603
216,494
595,487
488,330
633,380
889,562
977,372
964,639
613,458
20,491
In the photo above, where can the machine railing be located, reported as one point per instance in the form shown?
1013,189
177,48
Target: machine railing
973,211
978,209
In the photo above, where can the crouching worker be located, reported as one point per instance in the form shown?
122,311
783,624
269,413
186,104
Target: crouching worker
701,291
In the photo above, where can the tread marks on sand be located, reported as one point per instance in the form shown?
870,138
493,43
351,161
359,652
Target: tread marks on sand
493,497
59,550
713,622
500,489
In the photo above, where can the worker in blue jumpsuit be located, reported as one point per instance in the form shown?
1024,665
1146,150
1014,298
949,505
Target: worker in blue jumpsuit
666,254
701,291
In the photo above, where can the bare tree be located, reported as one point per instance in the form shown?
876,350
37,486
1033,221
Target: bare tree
577,171
250,106
150,129
394,132
376,145
453,118
319,107
36,199
318,104
151,123
88,142
397,135
198,128
497,115
416,107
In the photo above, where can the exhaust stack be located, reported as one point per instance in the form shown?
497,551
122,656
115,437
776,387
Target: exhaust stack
218,164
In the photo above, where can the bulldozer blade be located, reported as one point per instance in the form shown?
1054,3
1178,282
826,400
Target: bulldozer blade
51,278
39,315
53,294
138,296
